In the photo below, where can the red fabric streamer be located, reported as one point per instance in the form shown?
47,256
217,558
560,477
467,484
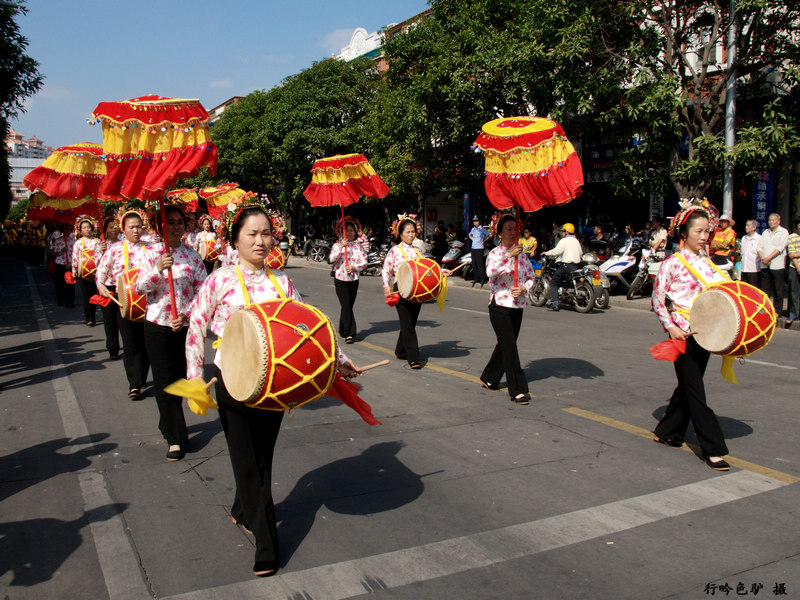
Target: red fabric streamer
668,350
69,277
345,391
101,300
393,299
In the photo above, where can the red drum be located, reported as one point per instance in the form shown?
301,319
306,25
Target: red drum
732,319
134,304
208,249
275,259
278,354
419,280
86,268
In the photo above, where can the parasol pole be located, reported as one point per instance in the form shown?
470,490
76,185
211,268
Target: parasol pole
167,253
516,258
344,238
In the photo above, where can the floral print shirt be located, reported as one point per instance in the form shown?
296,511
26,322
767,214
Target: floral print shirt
676,283
90,245
395,258
112,265
219,297
188,274
61,248
228,255
355,258
500,271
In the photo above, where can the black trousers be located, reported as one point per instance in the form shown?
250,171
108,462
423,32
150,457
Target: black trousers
407,345
88,289
110,324
688,403
560,279
772,282
506,323
134,355
346,291
209,265
751,277
65,292
478,267
251,434
167,352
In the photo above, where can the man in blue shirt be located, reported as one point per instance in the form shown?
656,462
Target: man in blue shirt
478,236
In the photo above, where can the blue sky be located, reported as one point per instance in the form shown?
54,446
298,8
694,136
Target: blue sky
91,51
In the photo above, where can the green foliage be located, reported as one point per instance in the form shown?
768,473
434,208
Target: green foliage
18,211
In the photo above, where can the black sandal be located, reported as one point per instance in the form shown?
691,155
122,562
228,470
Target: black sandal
135,394
522,398
489,387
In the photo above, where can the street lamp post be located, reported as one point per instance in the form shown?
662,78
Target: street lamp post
730,112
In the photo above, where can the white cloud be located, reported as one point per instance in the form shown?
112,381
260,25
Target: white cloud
51,91
221,83
337,39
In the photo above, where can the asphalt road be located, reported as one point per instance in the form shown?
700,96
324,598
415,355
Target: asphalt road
460,493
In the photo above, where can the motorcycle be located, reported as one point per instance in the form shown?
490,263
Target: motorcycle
649,265
452,256
466,258
579,292
319,250
375,257
284,245
622,267
599,280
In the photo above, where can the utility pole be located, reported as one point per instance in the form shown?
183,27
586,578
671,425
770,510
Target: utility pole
730,111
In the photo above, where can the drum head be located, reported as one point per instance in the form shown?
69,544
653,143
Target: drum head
405,280
122,294
715,320
242,353
202,248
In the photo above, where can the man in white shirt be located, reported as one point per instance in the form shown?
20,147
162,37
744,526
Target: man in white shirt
751,263
772,252
658,238
570,251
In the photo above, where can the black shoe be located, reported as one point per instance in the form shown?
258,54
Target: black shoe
175,455
488,386
415,364
348,339
242,525
113,356
720,465
670,443
554,308
264,568
135,394
523,399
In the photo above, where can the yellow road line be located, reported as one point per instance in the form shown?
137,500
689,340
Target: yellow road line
428,365
734,462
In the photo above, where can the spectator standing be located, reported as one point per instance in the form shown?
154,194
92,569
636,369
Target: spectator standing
751,263
723,244
478,236
793,250
772,252
657,238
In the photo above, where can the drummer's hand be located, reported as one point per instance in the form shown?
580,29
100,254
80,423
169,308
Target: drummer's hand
103,246
513,251
516,291
177,324
387,291
349,369
676,333
350,269
165,262
103,291
447,272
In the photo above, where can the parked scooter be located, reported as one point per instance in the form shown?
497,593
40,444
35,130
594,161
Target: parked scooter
600,282
621,269
649,265
319,250
375,257
451,258
283,245
579,292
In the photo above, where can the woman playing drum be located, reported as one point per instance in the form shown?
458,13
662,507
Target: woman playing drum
505,309
250,432
110,310
120,259
348,258
84,265
206,236
676,282
165,336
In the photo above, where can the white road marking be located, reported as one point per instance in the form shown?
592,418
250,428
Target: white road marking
118,561
447,557
483,313
768,364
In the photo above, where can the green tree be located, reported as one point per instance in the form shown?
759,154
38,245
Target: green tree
269,140
19,79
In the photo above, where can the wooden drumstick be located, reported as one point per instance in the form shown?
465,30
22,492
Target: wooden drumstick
115,300
214,380
372,366
458,268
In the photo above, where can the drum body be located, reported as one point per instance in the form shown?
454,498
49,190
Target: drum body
87,269
278,355
275,259
134,304
419,280
732,319
208,249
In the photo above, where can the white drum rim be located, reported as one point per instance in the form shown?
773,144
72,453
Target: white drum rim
709,338
245,372
405,280
122,295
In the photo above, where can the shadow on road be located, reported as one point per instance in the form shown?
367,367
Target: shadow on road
374,481
561,368
30,466
731,428
35,549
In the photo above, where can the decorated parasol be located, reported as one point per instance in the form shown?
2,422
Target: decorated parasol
43,208
151,142
184,197
530,164
71,172
341,180
218,197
